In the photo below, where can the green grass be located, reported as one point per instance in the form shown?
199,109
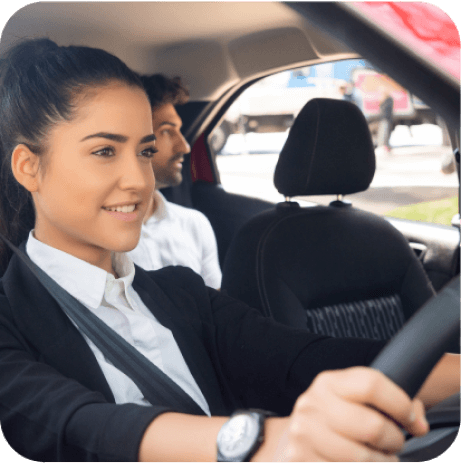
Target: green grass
440,211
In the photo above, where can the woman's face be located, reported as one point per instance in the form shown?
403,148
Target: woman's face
97,179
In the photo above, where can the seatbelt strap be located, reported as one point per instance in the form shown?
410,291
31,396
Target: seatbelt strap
154,384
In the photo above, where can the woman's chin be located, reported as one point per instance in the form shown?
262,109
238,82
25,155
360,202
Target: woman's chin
125,245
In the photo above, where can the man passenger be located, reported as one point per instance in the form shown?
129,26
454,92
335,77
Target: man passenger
172,234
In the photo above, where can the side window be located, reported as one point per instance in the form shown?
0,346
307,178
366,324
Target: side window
415,175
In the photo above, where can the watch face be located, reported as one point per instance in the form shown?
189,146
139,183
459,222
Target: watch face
237,436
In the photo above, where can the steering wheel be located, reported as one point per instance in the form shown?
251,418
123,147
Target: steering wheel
410,356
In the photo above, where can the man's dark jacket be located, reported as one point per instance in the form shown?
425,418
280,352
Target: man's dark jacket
56,405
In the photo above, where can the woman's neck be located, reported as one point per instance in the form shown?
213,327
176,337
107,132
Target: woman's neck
94,255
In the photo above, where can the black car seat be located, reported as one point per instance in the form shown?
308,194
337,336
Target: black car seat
334,269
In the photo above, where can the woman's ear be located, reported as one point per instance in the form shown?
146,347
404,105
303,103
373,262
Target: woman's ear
25,166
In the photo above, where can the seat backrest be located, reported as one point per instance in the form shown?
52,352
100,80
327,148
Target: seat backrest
333,269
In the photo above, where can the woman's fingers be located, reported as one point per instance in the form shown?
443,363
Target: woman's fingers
419,426
315,440
366,425
353,414
371,387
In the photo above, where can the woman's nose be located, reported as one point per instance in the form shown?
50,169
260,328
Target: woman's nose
137,174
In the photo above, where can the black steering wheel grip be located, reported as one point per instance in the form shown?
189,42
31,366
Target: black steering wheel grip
409,358
411,354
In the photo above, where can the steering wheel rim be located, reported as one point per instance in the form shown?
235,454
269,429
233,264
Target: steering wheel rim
409,357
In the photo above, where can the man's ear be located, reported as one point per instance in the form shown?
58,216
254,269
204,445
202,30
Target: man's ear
25,166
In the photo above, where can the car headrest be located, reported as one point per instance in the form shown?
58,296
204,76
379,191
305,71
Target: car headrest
329,150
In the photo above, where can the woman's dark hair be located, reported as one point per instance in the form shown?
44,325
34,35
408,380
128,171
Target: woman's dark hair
40,83
162,90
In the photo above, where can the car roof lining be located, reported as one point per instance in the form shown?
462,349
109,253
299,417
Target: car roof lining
230,38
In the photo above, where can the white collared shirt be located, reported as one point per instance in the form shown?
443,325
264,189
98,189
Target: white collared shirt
177,235
115,302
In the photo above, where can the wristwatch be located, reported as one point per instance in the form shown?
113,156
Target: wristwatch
241,436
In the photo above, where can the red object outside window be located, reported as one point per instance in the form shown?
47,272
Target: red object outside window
420,26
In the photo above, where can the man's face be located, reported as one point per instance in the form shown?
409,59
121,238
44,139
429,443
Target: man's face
171,145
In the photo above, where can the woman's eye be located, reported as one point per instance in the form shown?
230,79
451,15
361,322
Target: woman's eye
104,152
149,152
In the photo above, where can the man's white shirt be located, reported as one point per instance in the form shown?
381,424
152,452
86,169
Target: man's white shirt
177,235
115,301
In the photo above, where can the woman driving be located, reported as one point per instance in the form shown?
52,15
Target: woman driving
76,179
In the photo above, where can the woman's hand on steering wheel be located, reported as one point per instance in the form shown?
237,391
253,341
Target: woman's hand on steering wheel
354,414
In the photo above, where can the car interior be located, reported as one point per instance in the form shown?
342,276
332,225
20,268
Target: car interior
334,268
251,43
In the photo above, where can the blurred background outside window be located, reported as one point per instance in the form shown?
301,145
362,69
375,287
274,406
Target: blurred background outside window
415,174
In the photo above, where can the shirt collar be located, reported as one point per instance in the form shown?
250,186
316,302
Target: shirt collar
82,280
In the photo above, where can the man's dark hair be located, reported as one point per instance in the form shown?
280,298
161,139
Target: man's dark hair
163,90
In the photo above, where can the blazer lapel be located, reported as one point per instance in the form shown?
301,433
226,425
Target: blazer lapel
186,333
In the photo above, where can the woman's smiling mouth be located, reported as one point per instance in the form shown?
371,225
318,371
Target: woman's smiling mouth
126,213
127,208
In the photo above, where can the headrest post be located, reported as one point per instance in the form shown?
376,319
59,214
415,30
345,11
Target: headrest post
340,202
287,199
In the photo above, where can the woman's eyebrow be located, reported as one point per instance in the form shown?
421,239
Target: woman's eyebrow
118,138
148,138
109,136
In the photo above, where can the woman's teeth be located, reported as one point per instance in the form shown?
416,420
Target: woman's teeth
125,209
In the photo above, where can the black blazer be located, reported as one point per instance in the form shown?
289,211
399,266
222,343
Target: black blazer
56,405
